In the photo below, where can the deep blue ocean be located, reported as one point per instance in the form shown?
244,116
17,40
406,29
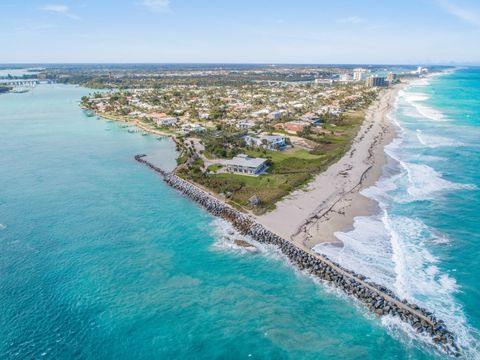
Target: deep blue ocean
99,259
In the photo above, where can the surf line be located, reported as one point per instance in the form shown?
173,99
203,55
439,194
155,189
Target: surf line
375,297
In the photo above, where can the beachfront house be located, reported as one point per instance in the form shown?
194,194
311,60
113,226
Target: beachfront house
192,128
244,124
168,121
269,142
259,113
164,121
292,126
136,114
311,119
246,165
275,115
330,110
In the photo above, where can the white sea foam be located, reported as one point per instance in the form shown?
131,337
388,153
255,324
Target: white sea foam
433,141
421,181
225,236
406,334
417,101
417,274
428,112
393,251
425,183
365,250
427,158
414,96
2,227
425,81
398,251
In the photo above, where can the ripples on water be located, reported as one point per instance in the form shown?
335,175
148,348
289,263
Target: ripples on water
99,259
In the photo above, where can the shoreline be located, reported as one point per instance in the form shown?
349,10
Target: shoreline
377,298
332,200
139,125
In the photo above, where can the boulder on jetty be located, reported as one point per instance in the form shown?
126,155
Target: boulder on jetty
377,298
244,244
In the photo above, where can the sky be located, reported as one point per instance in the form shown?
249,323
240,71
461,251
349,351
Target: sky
246,31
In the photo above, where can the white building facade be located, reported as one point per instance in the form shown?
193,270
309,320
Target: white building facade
245,165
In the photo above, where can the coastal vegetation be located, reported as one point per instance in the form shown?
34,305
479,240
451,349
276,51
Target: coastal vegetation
288,170
218,114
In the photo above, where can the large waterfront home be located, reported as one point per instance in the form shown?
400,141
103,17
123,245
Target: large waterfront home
165,120
192,127
245,124
292,126
269,142
246,165
311,119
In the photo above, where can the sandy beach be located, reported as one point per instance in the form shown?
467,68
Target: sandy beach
332,200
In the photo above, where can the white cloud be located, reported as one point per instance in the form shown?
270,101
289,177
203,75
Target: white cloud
350,20
157,5
59,9
462,13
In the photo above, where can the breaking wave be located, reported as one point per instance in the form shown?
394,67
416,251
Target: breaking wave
417,102
433,141
398,250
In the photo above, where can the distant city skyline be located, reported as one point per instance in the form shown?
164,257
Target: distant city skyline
186,31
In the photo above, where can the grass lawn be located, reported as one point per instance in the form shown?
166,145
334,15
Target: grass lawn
289,170
278,156
269,187
215,167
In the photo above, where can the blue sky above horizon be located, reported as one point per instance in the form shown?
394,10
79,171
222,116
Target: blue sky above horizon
247,31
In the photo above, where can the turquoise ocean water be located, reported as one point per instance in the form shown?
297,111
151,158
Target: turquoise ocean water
99,259
424,242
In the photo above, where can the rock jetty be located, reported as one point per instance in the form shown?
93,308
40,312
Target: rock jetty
375,297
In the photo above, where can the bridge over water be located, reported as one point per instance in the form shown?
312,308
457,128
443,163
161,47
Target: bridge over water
23,82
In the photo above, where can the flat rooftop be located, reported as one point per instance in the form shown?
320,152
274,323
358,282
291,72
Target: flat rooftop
246,161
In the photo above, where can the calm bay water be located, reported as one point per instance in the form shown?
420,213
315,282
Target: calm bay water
99,259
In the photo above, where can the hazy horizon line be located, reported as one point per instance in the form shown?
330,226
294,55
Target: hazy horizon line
243,63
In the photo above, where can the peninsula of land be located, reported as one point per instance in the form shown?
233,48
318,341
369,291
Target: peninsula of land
221,165
295,156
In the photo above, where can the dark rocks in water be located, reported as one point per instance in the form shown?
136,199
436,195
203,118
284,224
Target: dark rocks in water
377,298
243,243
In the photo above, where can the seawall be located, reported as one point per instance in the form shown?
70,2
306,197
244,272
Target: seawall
375,297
